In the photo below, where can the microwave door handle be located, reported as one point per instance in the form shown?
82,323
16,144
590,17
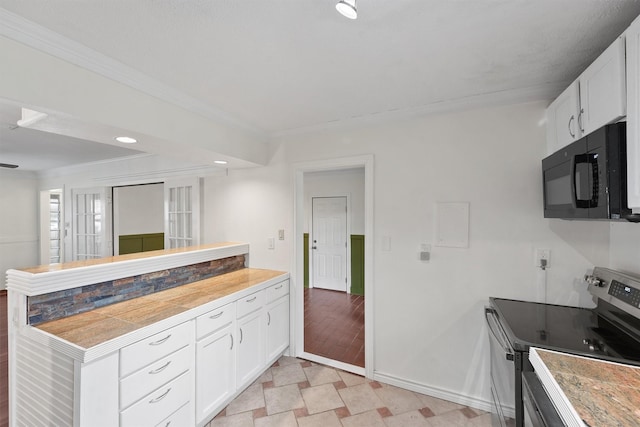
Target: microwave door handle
578,159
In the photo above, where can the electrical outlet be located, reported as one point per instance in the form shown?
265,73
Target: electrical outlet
542,258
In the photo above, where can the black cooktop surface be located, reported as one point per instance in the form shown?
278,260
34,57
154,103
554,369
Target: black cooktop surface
570,329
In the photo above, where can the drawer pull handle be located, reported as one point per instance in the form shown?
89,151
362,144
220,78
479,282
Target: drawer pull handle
160,341
215,316
160,369
240,335
278,287
269,317
167,424
251,299
159,398
231,335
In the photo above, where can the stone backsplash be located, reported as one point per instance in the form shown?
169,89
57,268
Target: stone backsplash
56,305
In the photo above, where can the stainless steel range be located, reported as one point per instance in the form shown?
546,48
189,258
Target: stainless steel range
611,331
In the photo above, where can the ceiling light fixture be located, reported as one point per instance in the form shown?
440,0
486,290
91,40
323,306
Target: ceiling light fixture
126,139
220,162
347,8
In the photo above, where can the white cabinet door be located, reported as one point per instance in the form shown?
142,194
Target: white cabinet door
215,368
250,354
602,89
633,115
277,328
562,119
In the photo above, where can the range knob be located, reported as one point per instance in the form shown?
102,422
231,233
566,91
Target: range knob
594,281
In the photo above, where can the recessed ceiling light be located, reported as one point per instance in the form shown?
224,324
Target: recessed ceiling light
220,162
126,139
347,8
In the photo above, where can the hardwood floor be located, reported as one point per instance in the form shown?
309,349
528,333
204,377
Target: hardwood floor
4,361
334,325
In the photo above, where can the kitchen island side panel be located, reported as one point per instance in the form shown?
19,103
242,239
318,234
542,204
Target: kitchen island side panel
44,383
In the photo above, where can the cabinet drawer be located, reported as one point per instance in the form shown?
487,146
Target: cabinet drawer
153,376
214,320
160,404
278,290
148,350
182,417
249,304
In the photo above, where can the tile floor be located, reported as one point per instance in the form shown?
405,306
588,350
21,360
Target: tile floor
334,325
298,393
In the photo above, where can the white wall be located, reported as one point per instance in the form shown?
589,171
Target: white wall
337,183
18,221
428,317
625,247
139,209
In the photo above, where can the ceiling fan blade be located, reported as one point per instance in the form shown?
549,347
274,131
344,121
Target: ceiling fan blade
8,165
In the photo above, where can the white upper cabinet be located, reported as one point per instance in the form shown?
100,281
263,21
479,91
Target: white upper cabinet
562,119
596,98
633,114
603,98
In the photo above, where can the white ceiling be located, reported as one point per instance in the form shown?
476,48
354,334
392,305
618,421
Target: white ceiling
284,66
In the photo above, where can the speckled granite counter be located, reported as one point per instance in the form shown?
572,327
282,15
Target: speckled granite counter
98,326
590,392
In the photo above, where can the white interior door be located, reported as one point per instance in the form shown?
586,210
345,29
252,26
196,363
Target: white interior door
91,223
182,213
329,243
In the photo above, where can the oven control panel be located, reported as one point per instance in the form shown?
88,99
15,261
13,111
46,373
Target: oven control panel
626,293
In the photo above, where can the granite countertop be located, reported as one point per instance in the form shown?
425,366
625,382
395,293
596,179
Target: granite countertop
100,325
602,393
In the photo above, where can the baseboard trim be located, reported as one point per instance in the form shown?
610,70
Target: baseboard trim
473,402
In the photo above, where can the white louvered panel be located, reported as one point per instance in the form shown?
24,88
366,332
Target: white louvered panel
44,385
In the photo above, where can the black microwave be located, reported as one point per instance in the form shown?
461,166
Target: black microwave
587,179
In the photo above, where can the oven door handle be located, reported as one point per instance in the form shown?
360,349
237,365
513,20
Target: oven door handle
495,330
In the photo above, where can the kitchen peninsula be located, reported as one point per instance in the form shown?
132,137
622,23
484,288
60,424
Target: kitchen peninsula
142,339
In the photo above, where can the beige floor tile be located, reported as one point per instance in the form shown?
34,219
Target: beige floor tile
240,420
398,400
351,379
285,419
360,398
288,374
265,377
407,419
250,399
449,419
324,419
438,406
286,360
321,398
481,421
319,374
282,399
366,419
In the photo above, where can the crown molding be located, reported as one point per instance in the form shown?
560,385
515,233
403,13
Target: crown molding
29,33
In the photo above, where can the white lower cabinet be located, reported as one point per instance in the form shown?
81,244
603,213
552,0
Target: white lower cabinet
160,404
215,367
277,327
250,356
156,377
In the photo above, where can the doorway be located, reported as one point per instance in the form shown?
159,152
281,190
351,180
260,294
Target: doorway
332,199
